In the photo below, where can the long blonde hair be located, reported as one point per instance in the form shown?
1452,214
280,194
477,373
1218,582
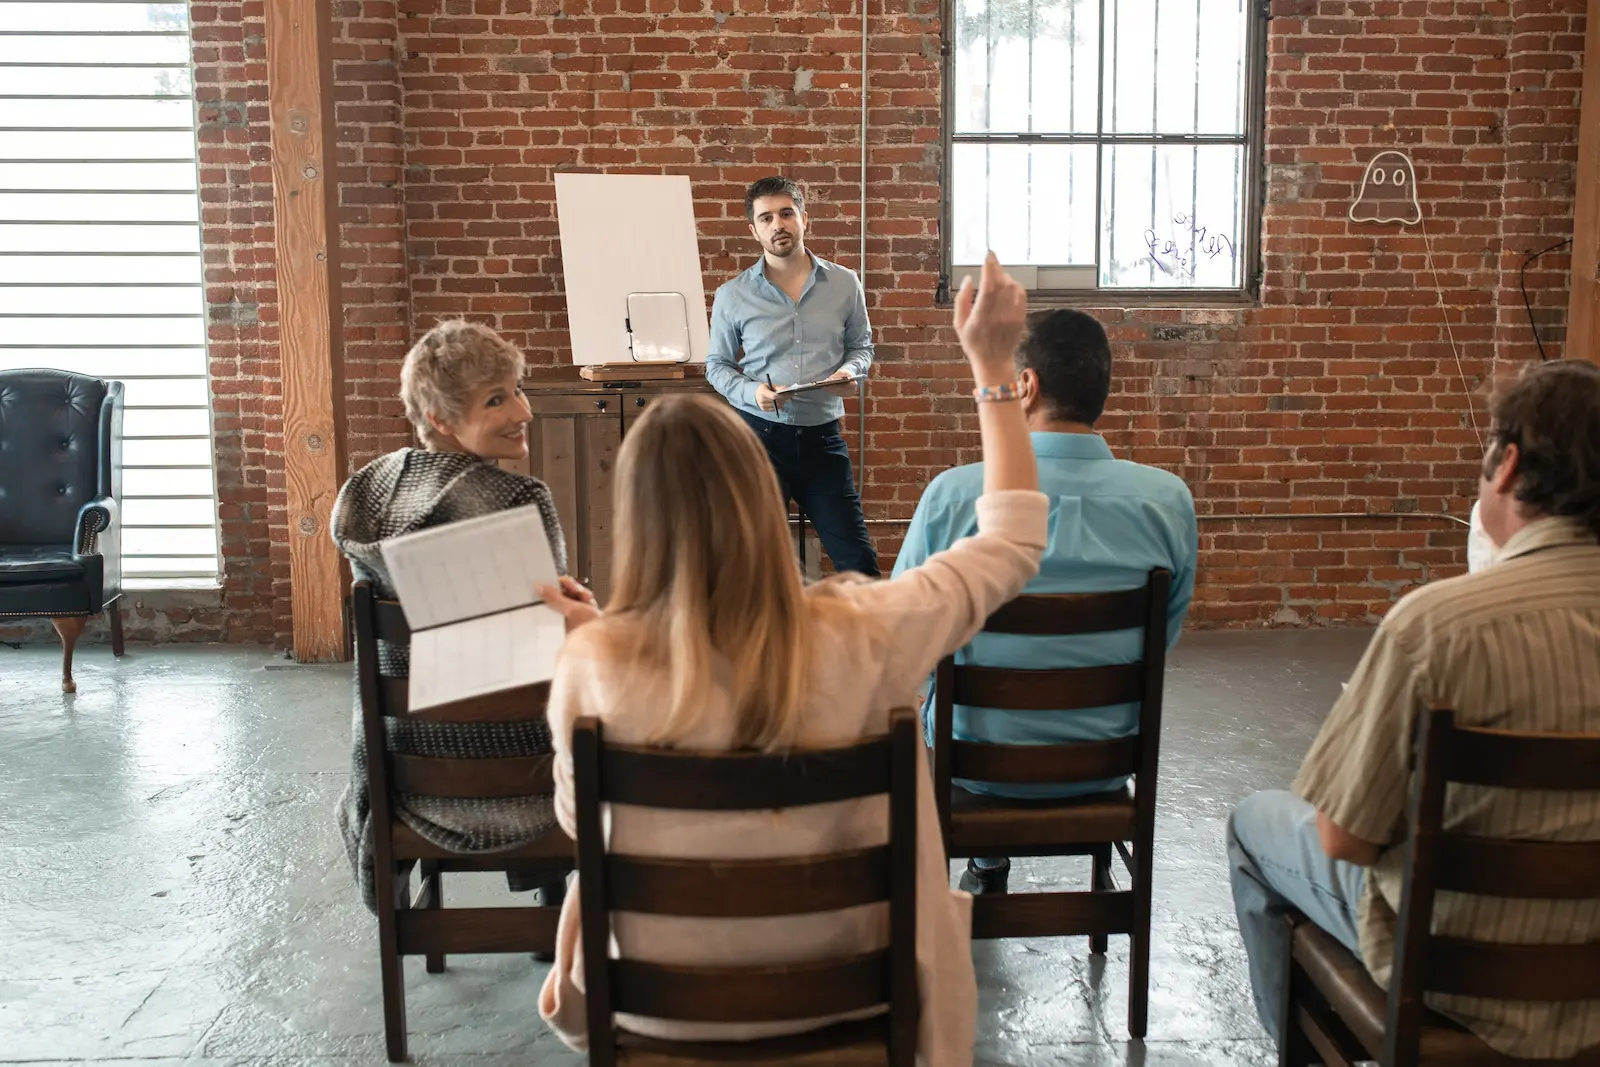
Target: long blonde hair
704,577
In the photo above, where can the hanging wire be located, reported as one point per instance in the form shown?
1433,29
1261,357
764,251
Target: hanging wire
1472,410
1522,283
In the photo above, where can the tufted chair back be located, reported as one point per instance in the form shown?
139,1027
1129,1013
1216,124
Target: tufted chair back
60,448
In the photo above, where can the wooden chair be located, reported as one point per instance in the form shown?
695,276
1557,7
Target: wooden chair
422,926
1334,1013
976,825
740,781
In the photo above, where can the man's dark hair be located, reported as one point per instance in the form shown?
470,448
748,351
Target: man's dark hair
1552,414
774,186
1069,352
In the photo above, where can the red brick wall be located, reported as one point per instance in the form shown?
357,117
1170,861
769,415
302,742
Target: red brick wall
1341,392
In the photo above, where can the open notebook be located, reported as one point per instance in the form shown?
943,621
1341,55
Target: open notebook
467,588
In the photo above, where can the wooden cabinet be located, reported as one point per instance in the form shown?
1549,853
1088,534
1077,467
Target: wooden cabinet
573,441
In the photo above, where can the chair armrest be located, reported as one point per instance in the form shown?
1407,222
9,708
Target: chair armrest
94,519
98,541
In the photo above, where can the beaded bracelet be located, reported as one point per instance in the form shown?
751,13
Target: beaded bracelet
988,393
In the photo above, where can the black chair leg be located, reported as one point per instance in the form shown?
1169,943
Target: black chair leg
70,628
114,615
1100,881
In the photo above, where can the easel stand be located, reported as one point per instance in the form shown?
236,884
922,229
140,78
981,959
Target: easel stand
632,372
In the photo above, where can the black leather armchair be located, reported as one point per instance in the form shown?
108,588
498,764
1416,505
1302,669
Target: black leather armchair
60,485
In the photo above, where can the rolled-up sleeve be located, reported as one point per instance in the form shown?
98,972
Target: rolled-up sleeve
858,348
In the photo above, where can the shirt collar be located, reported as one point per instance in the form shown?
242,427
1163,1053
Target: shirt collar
1557,532
819,267
1053,445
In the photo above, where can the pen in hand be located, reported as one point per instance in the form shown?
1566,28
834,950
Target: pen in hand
774,390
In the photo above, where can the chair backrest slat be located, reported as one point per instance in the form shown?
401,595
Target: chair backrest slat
482,779
1530,870
1438,859
1071,613
1512,972
740,781
1511,760
743,994
1085,761
748,888
1048,690
1065,690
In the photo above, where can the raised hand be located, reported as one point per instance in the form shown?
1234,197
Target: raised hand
990,318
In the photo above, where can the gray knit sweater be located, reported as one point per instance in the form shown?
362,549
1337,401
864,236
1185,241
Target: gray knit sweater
396,494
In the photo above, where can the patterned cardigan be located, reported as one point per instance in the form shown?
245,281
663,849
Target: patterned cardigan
395,494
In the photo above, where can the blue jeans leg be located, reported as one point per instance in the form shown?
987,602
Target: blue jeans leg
1276,862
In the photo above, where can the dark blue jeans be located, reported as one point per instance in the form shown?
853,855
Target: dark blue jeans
813,467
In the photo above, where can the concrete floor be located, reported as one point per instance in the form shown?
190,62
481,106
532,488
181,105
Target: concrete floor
173,889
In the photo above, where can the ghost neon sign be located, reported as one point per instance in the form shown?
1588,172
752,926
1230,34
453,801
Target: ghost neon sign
1388,191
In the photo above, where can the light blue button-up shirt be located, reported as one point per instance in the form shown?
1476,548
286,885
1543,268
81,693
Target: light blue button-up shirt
1111,523
790,341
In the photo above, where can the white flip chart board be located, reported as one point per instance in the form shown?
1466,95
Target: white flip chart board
630,236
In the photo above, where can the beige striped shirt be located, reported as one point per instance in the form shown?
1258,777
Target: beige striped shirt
1513,647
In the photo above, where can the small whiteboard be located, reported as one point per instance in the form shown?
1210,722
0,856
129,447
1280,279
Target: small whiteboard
628,242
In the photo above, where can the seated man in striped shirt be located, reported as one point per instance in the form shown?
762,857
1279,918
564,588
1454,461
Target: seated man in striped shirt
1513,647
1111,523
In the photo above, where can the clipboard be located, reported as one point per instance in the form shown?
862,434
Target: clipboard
840,387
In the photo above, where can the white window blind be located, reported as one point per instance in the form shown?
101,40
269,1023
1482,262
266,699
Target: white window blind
100,269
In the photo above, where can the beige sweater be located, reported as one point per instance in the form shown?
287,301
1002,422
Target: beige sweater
876,663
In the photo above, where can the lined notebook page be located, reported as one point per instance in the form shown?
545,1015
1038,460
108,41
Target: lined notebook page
475,567
486,655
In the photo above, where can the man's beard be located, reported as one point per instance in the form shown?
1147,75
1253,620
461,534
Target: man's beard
783,251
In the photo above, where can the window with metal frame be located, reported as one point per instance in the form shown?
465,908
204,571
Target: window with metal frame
100,266
1105,144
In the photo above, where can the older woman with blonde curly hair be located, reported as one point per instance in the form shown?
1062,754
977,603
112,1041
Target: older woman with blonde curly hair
460,384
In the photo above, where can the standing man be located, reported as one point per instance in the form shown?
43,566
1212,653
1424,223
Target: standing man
792,318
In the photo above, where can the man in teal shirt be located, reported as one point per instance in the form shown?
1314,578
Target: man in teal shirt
1111,523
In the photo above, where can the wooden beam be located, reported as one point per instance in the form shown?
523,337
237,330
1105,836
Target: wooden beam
1583,314
305,198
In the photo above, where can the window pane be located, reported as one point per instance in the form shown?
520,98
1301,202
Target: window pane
151,207
147,393
174,114
138,452
1030,204
168,331
138,300
1026,66
164,422
109,362
173,268
92,81
155,511
169,567
117,176
70,49
1172,216
91,238
47,16
163,483
1159,55
141,541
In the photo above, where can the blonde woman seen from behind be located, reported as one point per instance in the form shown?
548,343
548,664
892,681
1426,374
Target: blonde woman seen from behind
711,642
